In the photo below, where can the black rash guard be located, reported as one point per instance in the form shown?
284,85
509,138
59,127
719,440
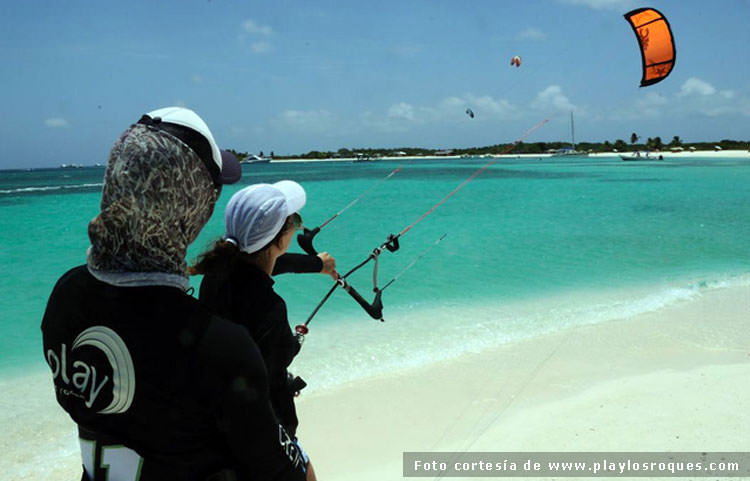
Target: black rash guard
161,389
244,293
297,263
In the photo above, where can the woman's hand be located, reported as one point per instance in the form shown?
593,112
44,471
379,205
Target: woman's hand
329,265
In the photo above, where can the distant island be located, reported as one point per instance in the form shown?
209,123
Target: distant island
652,144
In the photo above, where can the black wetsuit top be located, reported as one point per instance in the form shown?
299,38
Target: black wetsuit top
160,388
244,294
297,263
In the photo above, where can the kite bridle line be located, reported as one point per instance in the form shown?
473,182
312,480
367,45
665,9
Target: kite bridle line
305,240
375,308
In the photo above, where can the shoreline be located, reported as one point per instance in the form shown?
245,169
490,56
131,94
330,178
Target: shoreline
667,155
668,380
403,343
596,387
686,155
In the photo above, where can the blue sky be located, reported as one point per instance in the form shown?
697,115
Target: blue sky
295,76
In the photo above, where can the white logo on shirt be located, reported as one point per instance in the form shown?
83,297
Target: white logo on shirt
83,377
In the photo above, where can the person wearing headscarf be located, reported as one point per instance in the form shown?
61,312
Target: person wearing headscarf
159,386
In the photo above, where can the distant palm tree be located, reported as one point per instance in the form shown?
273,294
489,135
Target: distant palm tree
634,138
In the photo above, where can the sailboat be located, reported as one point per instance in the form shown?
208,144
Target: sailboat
570,151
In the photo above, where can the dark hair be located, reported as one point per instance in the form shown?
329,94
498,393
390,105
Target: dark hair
224,253
217,259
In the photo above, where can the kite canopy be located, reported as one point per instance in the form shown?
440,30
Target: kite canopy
656,42
516,60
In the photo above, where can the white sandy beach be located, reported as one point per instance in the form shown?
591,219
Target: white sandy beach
684,155
668,380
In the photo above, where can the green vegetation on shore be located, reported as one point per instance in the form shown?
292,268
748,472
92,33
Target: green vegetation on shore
653,144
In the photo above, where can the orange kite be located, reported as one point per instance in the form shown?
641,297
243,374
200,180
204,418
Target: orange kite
656,42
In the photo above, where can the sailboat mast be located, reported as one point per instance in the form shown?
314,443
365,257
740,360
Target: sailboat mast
572,131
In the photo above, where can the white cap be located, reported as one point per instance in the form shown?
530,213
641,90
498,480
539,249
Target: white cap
228,165
256,214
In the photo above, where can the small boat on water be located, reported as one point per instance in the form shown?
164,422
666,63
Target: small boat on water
255,159
638,156
359,157
570,151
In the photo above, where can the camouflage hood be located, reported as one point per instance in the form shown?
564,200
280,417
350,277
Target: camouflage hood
157,197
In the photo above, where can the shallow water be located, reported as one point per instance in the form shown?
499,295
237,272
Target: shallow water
604,237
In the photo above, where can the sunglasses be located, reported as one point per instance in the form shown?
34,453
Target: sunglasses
296,221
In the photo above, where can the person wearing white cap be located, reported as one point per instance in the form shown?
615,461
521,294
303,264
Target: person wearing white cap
160,387
259,213
260,222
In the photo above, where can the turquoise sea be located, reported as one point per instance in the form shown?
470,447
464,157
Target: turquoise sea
532,246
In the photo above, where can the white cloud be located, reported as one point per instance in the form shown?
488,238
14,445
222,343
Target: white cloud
250,33
489,106
653,98
306,120
618,5
399,117
396,120
450,108
650,105
694,97
697,95
260,47
251,27
56,122
647,104
552,99
453,108
694,86
402,116
531,33
401,110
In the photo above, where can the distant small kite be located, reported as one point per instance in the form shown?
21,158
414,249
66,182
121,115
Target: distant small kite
470,113
656,41
516,60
